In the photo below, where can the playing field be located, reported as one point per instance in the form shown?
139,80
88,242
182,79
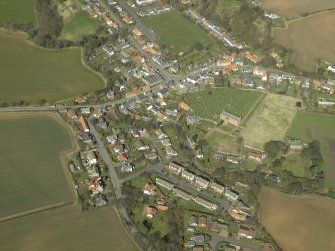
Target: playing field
211,103
270,121
78,25
289,8
298,223
310,39
30,73
66,229
310,126
31,169
17,11
176,32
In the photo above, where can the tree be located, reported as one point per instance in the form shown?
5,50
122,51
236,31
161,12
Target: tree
273,148
197,46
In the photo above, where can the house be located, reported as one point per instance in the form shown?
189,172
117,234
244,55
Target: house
231,195
150,212
162,207
295,144
136,132
164,183
95,186
102,124
198,238
160,134
202,221
98,114
231,119
139,146
93,171
252,57
127,168
187,175
72,114
112,139
122,157
170,151
255,156
85,110
192,119
190,244
193,221
84,124
137,32
101,201
216,187
326,102
246,233
143,2
175,168
149,189
86,138
182,194
88,158
237,214
233,159
201,182
261,72
183,105
119,148
81,99
110,94
205,203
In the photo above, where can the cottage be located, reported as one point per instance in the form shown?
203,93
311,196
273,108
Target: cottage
175,168
201,182
187,175
216,187
231,119
182,194
231,195
164,183
84,124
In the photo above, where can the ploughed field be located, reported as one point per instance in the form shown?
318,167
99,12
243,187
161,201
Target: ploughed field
29,73
310,38
316,126
298,223
31,168
177,32
17,11
67,229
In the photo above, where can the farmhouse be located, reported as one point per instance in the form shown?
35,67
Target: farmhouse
229,118
175,168
164,183
84,124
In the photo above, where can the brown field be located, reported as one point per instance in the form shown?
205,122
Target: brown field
298,223
66,228
310,38
296,8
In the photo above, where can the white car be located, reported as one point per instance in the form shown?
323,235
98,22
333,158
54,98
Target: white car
119,8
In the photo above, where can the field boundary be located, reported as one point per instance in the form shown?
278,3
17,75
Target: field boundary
253,109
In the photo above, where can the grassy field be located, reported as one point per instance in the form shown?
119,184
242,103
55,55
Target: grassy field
270,121
32,173
177,32
210,105
289,8
223,142
296,165
298,38
17,11
30,73
78,25
67,229
311,218
310,126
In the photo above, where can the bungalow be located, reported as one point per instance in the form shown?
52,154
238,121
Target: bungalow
216,187
164,183
150,212
246,233
175,168
72,114
127,168
182,194
149,189
84,124
231,195
187,175
205,203
88,158
229,118
201,182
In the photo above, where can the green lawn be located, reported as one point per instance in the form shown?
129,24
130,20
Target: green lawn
211,103
31,73
223,142
176,31
31,171
17,11
309,126
78,25
296,165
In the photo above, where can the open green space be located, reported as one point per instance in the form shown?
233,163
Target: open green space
317,126
295,164
67,229
223,142
30,73
31,168
78,25
210,103
177,32
17,11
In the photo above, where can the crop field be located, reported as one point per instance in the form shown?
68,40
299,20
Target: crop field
211,103
67,229
298,36
77,25
177,32
317,126
31,168
270,121
296,8
30,73
309,220
17,11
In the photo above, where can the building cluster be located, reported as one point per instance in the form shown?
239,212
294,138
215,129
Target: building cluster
146,11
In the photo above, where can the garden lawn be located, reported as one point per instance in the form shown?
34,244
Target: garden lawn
17,11
177,32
